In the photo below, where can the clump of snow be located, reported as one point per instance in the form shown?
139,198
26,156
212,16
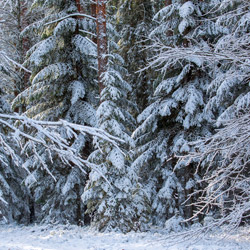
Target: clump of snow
186,9
174,224
68,237
183,25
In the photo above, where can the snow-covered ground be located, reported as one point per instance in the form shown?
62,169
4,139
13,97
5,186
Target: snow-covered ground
75,238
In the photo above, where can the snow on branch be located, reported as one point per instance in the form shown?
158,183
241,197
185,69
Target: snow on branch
71,15
3,54
168,56
44,134
227,185
231,45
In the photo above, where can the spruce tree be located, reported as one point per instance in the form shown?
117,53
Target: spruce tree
115,202
63,65
229,90
174,116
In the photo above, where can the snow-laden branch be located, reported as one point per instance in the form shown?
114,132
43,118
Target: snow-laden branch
71,15
227,183
231,50
44,133
230,47
3,54
62,123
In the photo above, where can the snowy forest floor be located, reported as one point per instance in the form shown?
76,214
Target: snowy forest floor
58,237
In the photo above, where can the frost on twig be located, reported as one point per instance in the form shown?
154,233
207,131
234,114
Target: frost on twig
225,161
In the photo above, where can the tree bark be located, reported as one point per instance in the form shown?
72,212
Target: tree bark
79,8
168,2
93,14
102,47
22,46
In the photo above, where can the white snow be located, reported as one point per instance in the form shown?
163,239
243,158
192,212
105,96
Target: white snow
59,237
186,9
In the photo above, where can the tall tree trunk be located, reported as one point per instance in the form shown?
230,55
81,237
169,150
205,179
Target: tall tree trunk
22,46
168,2
80,10
79,7
93,14
102,47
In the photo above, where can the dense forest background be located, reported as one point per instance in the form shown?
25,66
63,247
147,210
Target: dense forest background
124,114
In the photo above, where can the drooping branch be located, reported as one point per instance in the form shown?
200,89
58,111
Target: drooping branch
167,56
45,134
62,123
70,15
226,184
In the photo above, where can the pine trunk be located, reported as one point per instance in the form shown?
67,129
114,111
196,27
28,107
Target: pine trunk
168,2
102,48
93,14
79,8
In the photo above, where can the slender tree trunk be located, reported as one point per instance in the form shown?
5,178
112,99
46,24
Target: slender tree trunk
102,47
168,2
79,8
25,43
22,46
93,14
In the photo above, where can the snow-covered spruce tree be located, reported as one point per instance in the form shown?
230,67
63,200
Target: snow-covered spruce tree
63,66
15,16
115,203
14,205
134,23
174,116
